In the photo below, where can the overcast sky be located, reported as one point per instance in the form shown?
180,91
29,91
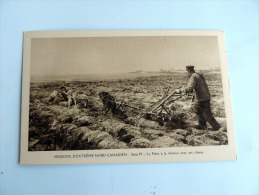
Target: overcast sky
101,55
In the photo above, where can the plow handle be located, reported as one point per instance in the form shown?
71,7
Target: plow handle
168,97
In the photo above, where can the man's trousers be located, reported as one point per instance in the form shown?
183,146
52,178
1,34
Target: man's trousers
204,114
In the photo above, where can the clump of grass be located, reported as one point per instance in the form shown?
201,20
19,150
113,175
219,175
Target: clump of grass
178,121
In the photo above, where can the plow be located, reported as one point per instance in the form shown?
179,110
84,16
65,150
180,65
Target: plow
161,110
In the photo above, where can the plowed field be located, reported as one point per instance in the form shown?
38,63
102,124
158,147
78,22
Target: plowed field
54,126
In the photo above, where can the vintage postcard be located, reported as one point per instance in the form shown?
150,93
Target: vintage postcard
125,97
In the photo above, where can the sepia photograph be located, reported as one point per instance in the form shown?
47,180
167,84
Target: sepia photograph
134,97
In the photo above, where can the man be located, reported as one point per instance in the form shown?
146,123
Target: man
202,100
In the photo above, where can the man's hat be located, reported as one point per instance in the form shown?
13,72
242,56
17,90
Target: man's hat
190,67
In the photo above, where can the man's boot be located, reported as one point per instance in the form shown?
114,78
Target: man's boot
201,126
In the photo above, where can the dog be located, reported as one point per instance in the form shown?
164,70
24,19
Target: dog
82,100
110,104
71,98
76,99
53,96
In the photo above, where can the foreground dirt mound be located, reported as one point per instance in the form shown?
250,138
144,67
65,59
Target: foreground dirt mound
55,127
